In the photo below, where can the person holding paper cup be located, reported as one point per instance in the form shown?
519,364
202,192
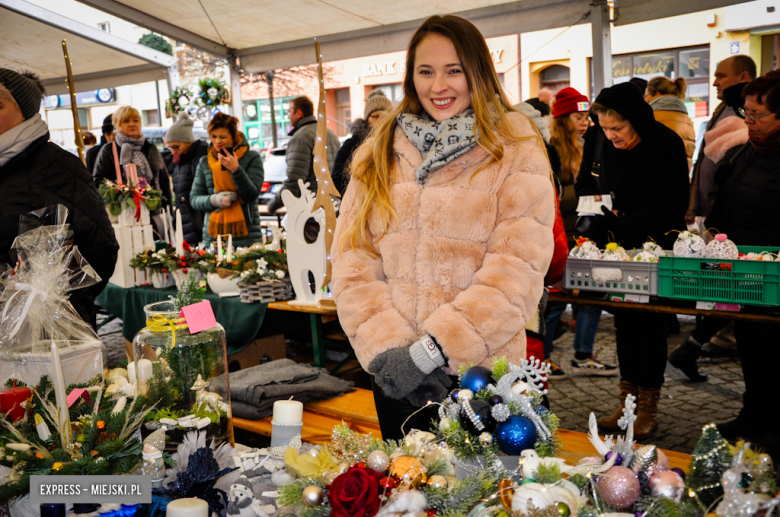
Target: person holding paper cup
643,166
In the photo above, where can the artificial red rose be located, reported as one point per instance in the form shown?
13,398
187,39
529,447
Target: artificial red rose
355,493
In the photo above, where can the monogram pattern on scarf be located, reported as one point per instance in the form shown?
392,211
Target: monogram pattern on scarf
438,142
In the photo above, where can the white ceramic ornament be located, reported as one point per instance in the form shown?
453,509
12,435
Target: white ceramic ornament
653,248
645,256
586,250
416,440
723,248
119,406
615,253
689,245
534,493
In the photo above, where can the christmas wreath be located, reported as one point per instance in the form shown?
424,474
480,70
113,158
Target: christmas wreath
213,92
179,101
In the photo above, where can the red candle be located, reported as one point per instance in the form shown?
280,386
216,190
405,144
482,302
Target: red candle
11,401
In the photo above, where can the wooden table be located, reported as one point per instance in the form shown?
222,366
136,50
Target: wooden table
358,411
669,306
319,317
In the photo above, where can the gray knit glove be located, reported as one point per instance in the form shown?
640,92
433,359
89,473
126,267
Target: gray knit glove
401,370
218,199
434,389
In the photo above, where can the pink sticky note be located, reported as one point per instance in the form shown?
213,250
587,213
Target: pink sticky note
199,316
76,394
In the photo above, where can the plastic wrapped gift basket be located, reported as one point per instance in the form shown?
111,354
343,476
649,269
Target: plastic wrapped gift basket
35,307
177,371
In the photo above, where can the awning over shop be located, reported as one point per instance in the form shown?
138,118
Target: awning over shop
31,39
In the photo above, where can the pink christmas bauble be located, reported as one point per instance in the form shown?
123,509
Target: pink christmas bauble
667,484
663,461
618,487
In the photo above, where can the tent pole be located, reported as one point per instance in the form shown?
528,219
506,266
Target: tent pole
601,33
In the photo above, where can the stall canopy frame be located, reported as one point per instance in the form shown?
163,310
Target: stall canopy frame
31,39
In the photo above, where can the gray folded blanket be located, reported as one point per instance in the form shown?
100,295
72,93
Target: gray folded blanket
253,391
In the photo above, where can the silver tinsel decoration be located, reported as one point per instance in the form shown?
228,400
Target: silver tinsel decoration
736,501
500,412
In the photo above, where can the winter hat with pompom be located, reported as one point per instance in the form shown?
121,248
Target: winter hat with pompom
181,130
377,101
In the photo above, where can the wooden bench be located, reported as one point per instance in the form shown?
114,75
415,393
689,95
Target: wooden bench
358,411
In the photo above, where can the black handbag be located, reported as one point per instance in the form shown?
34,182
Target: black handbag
587,225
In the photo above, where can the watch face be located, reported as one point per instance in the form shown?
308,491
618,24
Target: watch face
104,95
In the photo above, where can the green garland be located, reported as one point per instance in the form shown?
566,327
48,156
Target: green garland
213,92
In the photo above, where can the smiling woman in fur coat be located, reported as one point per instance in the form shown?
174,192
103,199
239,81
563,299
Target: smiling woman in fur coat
445,232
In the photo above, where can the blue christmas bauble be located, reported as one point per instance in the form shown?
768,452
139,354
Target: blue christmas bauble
476,378
495,399
515,435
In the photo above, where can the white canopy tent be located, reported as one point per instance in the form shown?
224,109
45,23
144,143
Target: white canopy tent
263,35
31,39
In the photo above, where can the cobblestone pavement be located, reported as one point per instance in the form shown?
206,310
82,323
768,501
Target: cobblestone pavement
685,407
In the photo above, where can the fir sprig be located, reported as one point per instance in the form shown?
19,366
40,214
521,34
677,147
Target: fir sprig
459,499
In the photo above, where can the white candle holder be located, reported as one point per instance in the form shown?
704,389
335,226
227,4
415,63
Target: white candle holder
282,434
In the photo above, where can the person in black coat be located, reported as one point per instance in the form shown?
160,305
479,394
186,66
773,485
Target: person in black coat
36,173
182,161
746,210
377,104
108,136
643,166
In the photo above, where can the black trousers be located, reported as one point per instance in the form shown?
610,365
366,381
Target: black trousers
759,350
706,328
393,413
641,347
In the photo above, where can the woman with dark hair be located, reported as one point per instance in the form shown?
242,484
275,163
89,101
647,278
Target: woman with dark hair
227,183
643,166
446,229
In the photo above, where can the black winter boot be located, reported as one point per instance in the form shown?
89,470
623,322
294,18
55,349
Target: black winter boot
684,358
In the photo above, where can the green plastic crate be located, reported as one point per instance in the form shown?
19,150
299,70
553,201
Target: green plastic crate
750,282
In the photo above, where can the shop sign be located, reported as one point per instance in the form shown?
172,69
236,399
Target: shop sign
391,67
101,96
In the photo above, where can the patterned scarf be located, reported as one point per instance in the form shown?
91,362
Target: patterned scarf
229,220
438,142
130,152
767,145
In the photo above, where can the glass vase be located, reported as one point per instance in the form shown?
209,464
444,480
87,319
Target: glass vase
179,373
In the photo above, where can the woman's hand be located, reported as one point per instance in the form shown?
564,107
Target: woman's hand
228,160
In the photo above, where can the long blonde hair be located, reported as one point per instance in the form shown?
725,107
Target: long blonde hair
563,137
487,99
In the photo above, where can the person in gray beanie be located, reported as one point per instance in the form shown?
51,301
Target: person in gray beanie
182,162
36,173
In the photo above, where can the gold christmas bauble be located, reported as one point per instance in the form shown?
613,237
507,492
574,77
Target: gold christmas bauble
409,470
437,481
57,466
313,496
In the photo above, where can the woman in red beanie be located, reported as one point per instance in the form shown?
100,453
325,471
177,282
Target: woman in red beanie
570,122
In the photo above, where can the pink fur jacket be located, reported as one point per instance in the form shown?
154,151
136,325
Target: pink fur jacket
728,133
464,261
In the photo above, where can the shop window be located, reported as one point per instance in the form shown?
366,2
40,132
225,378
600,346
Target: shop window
394,92
83,118
554,78
257,122
343,112
691,63
150,118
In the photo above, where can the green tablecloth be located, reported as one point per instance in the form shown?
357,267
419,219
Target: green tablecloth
241,320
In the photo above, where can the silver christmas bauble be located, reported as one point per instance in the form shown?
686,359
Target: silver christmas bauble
485,439
313,496
378,461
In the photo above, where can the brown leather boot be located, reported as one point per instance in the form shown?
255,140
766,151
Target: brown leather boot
610,423
646,414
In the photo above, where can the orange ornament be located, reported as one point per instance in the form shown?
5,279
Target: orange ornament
506,490
101,425
39,455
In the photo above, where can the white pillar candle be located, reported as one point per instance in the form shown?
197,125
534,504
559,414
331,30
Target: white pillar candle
288,412
230,248
187,507
219,249
131,378
145,372
179,234
63,415
170,236
165,225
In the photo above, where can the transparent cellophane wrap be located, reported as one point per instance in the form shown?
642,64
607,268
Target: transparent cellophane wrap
35,306
168,360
